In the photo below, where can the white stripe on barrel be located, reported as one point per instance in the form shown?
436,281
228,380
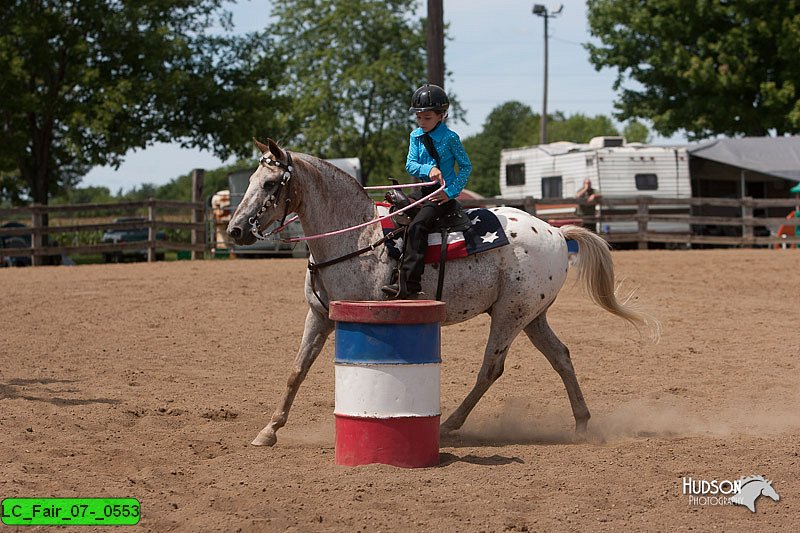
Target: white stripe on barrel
386,391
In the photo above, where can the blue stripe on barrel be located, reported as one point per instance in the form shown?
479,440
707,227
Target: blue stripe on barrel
387,343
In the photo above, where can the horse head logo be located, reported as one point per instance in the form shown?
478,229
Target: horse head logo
751,488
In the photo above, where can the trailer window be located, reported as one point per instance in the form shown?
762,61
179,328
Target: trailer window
515,174
551,187
646,182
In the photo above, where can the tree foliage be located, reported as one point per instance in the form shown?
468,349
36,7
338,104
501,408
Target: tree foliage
84,82
706,67
351,67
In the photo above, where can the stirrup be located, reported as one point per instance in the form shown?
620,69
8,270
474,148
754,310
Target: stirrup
392,290
396,293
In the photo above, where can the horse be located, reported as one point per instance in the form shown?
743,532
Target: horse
515,284
751,488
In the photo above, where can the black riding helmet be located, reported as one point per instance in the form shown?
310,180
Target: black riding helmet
430,97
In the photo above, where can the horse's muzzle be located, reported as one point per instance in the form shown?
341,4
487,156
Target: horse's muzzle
241,236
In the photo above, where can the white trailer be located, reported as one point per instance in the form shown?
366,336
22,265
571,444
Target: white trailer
616,169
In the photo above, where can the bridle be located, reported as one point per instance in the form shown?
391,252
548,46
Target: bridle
272,199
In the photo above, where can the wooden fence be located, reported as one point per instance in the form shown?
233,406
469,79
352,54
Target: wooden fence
38,214
644,211
641,211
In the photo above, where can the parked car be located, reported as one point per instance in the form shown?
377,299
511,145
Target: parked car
130,235
15,241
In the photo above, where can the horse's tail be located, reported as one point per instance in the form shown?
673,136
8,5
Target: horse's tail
596,273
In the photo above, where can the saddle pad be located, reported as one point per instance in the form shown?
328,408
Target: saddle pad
485,234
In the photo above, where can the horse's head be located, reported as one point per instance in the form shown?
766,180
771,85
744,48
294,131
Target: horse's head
268,196
768,490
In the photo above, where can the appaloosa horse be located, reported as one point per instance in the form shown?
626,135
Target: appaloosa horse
514,284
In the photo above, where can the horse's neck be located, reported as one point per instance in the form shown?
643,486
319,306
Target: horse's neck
332,201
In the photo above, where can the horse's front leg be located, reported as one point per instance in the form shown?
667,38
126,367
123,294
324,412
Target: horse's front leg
317,330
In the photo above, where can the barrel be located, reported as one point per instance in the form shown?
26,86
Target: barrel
387,366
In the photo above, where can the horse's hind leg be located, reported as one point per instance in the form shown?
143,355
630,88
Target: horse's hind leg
545,340
501,335
317,330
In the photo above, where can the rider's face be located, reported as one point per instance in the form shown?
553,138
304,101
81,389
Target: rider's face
427,120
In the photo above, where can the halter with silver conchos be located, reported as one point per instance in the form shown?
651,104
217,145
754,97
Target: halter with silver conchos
272,199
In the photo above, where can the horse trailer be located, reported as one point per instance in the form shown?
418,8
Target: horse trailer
616,169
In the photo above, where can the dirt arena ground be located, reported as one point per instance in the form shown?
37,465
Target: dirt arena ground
149,381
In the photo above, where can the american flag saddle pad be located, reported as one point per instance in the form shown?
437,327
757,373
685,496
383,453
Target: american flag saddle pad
485,234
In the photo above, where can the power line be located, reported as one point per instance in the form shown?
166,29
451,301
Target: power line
559,101
526,75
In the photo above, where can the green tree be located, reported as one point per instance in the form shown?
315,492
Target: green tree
84,195
636,132
708,67
84,82
579,128
352,66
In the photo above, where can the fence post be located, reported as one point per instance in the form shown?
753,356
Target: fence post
198,215
641,220
36,237
151,230
747,221
529,205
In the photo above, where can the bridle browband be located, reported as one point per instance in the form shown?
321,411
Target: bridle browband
272,199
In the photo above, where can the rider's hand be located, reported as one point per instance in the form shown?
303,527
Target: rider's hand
436,175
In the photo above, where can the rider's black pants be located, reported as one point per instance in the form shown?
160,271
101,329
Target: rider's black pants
417,243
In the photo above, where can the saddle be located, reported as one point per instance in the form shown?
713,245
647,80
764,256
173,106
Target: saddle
454,220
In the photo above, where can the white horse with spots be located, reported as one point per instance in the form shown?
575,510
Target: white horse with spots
514,284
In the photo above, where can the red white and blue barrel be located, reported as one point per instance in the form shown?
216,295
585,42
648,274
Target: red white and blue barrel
387,367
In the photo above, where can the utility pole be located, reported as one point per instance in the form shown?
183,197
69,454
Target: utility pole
435,37
541,11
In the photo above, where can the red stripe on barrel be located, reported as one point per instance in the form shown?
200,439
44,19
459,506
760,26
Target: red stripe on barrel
395,312
409,442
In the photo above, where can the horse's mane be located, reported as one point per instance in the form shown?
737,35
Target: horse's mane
331,171
748,479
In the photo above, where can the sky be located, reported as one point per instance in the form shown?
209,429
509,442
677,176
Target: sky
494,54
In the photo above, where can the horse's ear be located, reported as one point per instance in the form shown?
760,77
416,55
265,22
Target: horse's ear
276,150
263,148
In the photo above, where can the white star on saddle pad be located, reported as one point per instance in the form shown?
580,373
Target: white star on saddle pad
476,220
398,243
490,236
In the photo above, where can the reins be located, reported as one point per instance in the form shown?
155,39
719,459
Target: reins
272,201
313,268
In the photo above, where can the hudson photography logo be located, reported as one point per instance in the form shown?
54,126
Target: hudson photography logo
743,491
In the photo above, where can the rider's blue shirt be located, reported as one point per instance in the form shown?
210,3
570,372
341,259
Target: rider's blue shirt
419,162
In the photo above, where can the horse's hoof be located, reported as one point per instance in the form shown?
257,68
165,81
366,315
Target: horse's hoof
581,426
446,428
265,439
